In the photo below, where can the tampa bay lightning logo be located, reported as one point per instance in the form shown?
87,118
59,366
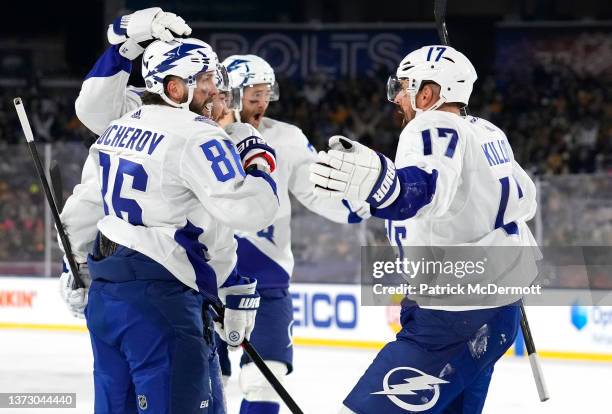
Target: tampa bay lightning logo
172,57
414,390
243,65
236,64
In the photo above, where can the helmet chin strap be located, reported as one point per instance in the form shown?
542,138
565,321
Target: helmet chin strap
418,111
237,115
209,107
184,105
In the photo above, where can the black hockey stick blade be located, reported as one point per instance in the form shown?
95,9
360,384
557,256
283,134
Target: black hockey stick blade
57,187
440,16
27,130
261,365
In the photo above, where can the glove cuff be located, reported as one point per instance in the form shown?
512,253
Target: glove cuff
130,49
252,143
113,37
242,302
386,189
237,286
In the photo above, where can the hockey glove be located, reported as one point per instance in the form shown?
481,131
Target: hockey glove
353,171
253,149
241,304
142,25
75,299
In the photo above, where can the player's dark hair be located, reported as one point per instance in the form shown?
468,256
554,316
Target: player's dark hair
150,98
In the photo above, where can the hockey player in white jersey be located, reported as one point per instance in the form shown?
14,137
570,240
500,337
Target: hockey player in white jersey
266,254
162,192
454,182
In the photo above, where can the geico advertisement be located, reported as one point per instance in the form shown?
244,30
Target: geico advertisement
334,311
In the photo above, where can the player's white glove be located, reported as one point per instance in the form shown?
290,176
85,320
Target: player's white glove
142,25
75,299
353,171
241,304
253,149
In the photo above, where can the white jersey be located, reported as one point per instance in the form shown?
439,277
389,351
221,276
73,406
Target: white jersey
264,253
169,184
104,96
482,196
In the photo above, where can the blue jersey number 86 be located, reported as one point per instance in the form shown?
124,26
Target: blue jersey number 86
221,165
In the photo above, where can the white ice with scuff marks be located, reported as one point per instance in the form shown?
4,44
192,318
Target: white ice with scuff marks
34,361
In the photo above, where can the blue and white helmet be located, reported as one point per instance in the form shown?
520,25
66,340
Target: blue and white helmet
444,65
250,70
184,58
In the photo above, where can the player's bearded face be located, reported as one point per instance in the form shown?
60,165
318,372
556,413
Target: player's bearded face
204,94
219,107
255,101
402,100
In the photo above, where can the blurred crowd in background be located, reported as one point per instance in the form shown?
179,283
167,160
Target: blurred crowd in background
558,119
557,114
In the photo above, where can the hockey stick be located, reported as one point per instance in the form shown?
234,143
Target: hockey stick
261,365
440,16
27,130
534,359
57,186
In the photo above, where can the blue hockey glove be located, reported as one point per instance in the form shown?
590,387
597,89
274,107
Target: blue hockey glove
253,149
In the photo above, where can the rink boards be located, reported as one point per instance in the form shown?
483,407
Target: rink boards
330,315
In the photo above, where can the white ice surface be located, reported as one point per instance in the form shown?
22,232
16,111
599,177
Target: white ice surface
36,361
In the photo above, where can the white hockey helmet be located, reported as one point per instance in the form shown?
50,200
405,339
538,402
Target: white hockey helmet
184,58
446,66
250,70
